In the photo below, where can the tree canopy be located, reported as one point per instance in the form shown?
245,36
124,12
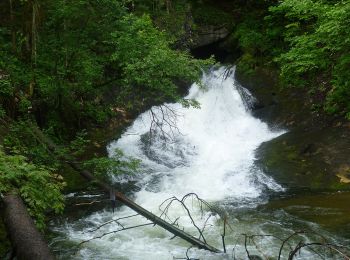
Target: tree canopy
308,41
70,65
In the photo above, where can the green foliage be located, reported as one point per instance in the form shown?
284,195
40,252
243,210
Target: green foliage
64,76
76,147
149,67
75,66
309,41
37,185
20,140
5,85
323,50
106,168
251,39
254,43
173,23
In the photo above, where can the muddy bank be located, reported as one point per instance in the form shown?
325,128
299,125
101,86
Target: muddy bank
314,153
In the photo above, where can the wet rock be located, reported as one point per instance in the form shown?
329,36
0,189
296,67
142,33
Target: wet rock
314,153
315,159
206,35
295,163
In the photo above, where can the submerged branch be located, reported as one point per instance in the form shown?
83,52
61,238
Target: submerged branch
111,221
114,231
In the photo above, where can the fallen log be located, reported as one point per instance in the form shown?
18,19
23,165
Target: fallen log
123,199
27,242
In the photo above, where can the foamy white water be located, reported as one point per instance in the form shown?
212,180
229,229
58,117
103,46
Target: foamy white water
213,153
210,153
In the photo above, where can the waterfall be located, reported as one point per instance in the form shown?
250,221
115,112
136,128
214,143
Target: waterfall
208,151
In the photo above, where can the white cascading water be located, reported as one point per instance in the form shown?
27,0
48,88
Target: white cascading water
211,153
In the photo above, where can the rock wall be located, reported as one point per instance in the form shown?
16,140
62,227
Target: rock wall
207,35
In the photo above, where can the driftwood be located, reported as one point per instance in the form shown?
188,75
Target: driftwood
123,199
27,241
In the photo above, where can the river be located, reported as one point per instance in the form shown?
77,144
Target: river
208,151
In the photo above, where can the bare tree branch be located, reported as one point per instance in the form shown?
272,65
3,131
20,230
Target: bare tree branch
114,231
164,121
168,202
111,221
88,203
327,245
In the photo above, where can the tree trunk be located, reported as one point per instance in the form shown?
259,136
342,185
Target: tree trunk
27,241
13,30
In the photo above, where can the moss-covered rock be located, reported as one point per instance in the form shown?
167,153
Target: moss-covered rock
314,153
312,160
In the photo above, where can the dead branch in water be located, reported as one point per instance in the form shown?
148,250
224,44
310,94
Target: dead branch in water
224,234
342,251
330,246
113,221
187,257
115,231
121,197
168,203
88,203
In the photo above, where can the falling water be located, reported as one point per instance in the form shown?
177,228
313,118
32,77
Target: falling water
207,151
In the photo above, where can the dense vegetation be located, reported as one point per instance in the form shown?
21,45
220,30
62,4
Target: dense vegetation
67,66
308,41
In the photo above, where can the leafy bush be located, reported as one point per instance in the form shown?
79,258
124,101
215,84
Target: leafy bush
149,66
39,187
106,168
309,41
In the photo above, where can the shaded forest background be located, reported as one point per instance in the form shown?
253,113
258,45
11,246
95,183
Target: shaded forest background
72,66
